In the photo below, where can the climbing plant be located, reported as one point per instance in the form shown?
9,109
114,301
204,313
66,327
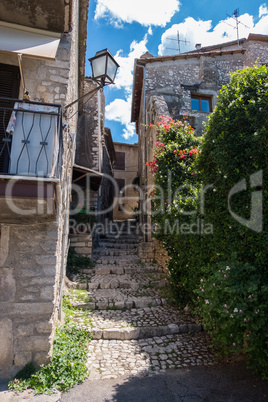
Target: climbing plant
223,190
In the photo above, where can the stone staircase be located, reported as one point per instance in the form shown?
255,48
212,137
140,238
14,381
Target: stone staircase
129,313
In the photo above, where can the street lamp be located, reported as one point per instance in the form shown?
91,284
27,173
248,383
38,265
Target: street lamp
104,69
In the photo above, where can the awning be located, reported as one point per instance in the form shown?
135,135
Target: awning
30,42
79,177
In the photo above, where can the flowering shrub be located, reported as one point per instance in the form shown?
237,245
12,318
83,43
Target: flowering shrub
233,305
232,153
174,168
232,302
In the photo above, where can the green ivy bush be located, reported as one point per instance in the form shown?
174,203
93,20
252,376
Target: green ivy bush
233,152
233,156
233,305
234,149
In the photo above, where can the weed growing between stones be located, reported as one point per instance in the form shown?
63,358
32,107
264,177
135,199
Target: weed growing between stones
76,262
68,363
80,295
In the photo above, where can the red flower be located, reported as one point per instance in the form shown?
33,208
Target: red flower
193,151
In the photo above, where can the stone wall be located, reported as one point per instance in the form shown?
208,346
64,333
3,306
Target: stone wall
49,15
90,139
176,80
153,251
29,277
256,51
130,198
107,188
82,244
33,257
160,254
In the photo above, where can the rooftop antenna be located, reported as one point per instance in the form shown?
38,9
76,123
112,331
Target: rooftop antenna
179,41
237,22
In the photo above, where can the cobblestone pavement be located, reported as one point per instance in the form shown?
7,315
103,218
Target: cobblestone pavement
134,330
150,356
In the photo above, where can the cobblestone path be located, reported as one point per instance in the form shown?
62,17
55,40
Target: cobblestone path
135,331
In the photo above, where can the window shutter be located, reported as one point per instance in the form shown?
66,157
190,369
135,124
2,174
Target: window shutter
120,161
9,88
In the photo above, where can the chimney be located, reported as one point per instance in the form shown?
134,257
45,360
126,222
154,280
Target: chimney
198,46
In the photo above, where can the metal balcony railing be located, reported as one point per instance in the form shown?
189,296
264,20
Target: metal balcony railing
30,138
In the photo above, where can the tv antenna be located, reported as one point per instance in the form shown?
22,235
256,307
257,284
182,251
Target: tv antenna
237,22
179,41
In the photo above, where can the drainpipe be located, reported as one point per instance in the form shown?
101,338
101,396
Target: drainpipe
100,156
65,235
145,144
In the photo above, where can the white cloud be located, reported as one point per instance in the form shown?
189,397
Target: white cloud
145,12
200,31
263,10
129,131
262,26
124,76
120,109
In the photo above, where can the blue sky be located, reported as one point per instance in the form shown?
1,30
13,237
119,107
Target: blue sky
128,28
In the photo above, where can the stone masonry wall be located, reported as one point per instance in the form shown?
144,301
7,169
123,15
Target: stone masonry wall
28,278
90,138
257,53
82,244
32,262
153,251
176,80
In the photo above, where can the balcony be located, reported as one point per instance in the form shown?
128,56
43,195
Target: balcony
30,159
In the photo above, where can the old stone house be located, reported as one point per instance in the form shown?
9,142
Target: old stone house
42,52
184,83
125,171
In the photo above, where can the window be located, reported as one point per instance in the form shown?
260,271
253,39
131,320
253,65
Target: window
120,161
201,103
121,187
9,88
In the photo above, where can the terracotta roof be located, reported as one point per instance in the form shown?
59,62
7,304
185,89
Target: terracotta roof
258,37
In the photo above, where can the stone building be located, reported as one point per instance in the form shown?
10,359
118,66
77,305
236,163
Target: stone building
93,187
184,83
125,171
42,58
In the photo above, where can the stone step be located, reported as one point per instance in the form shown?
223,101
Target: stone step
119,242
125,281
119,299
140,323
121,261
116,278
107,269
87,274
118,246
112,281
115,252
120,239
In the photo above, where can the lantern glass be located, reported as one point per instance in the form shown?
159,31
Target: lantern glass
104,67
111,68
